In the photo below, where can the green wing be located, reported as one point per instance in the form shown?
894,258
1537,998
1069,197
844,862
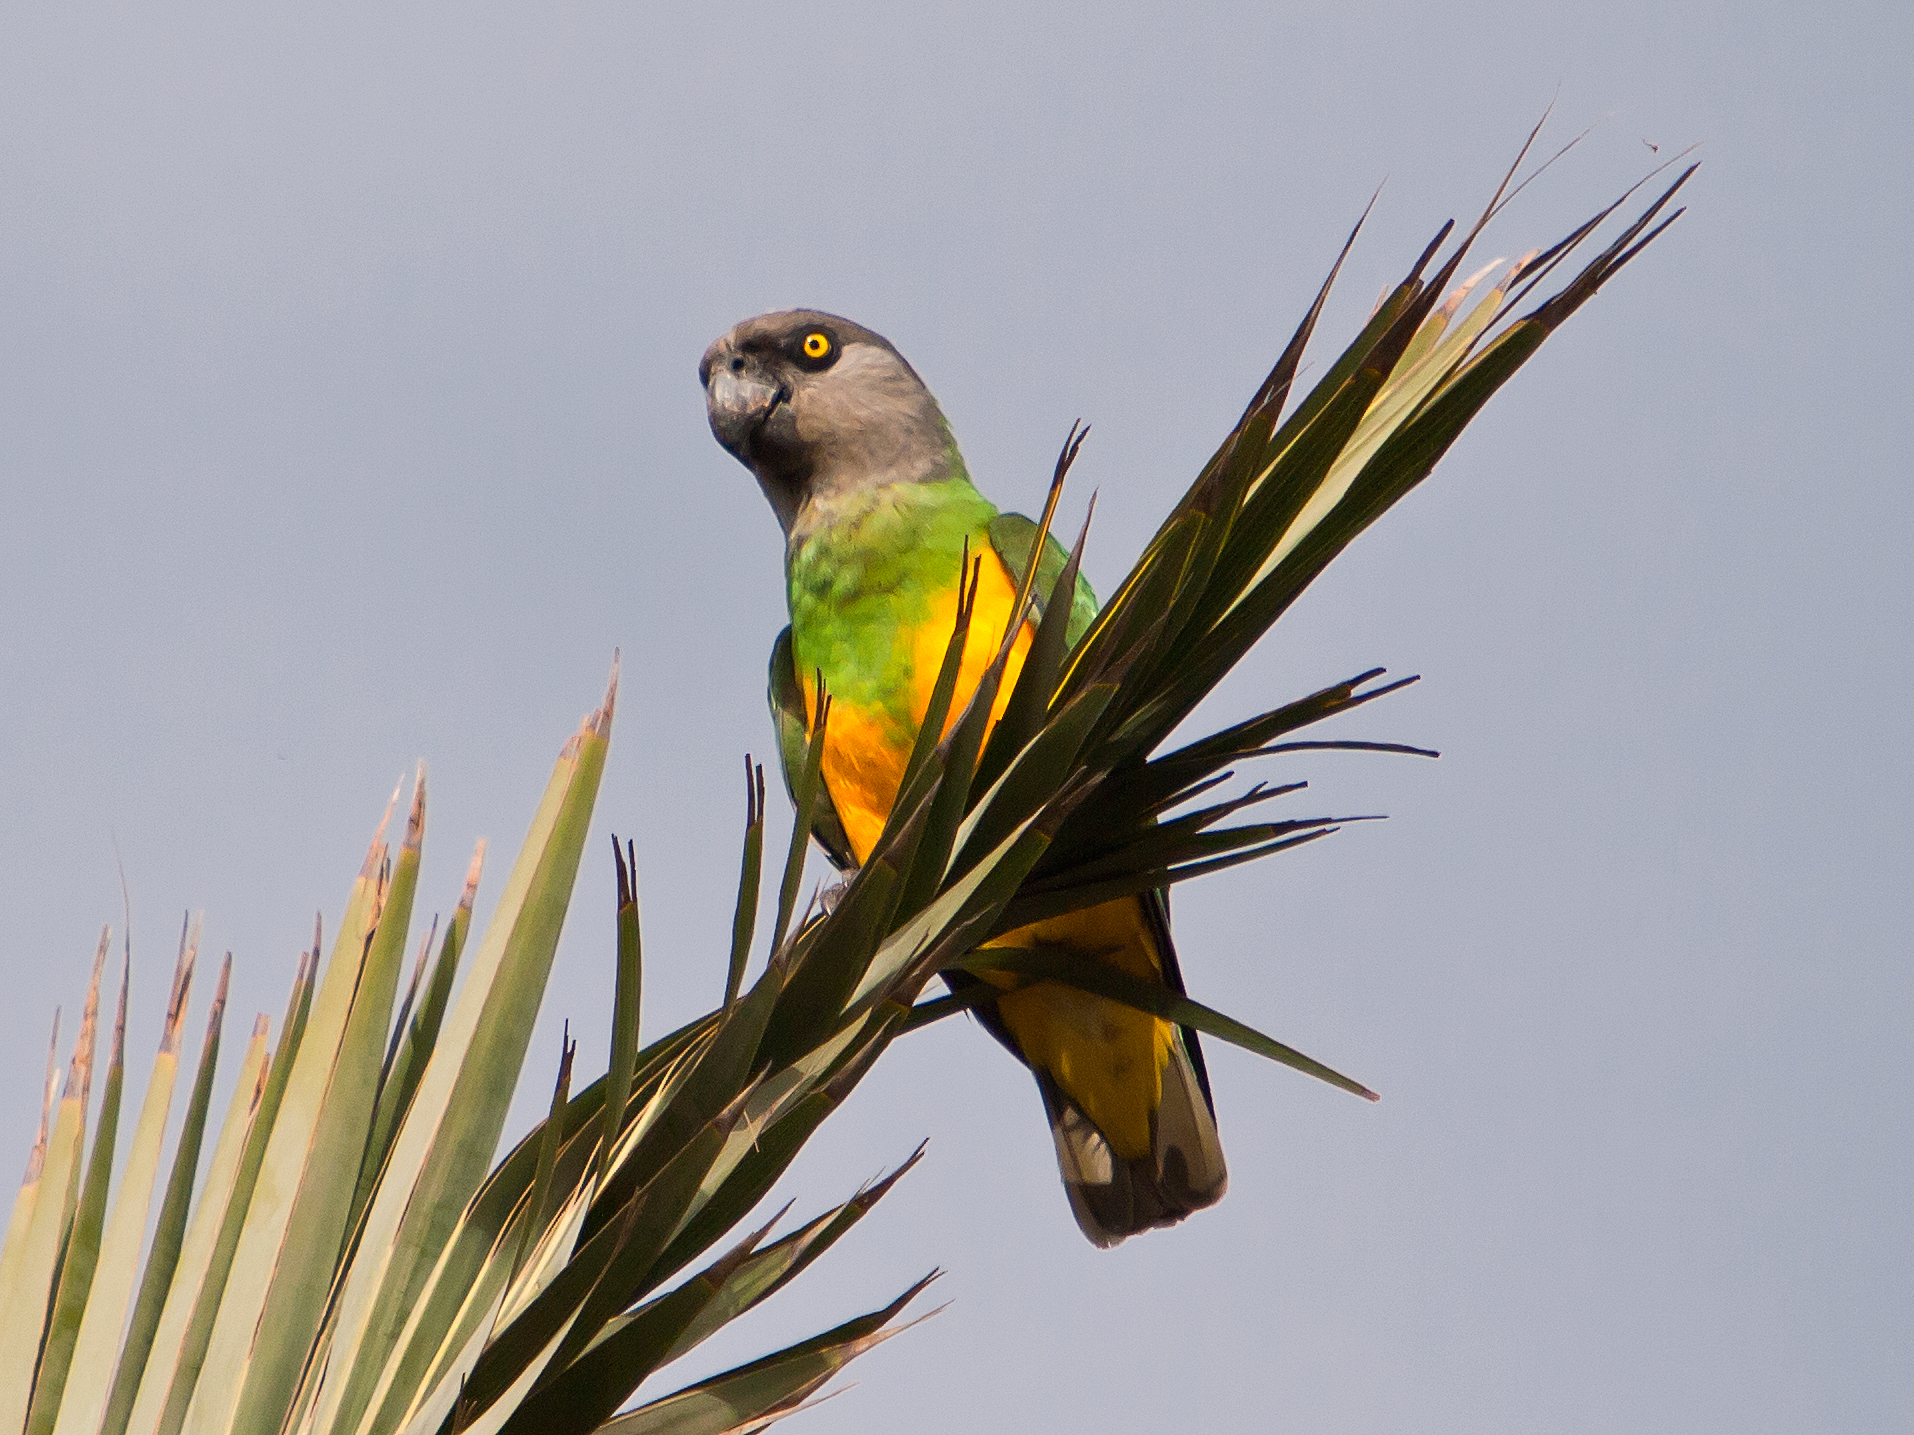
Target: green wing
787,714
1013,536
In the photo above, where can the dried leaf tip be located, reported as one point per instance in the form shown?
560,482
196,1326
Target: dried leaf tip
625,860
119,1019
415,818
189,929
37,1158
1459,295
598,721
261,1026
218,1008
79,1075
385,820
470,894
376,854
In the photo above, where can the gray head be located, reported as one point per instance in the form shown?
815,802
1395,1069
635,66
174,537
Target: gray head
819,408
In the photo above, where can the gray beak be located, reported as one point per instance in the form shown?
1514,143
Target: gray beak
739,403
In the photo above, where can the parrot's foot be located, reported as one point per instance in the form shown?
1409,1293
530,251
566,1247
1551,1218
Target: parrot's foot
828,897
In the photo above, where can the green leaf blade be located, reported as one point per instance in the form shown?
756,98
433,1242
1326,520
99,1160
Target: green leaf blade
443,1149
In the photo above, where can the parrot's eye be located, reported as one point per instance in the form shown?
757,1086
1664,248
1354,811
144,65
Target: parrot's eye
817,349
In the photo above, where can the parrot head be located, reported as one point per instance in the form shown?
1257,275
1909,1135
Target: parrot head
822,411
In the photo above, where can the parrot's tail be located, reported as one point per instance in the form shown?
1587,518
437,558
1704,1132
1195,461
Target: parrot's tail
1112,1197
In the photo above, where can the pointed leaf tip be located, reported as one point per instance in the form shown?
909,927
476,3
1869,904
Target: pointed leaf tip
375,854
182,987
36,1158
472,874
415,817
79,1075
601,719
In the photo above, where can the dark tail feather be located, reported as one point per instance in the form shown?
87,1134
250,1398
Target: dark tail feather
1112,1197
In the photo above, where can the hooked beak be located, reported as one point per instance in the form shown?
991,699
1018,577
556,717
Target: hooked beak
739,404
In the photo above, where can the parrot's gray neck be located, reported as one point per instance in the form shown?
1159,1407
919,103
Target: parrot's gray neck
854,479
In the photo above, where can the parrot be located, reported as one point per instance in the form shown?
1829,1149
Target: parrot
878,512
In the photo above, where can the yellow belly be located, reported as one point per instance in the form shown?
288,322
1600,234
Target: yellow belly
865,752
1107,1057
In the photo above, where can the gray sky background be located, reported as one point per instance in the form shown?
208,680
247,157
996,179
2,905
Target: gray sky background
350,417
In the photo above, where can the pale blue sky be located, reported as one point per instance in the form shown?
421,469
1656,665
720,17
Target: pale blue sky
350,417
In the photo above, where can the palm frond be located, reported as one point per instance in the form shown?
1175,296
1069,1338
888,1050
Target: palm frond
355,1261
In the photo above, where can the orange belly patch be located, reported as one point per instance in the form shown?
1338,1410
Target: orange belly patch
1107,1057
866,750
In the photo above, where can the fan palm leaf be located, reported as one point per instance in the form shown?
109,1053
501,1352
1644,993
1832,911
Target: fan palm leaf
356,1262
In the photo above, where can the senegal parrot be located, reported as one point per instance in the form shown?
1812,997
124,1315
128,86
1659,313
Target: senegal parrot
860,467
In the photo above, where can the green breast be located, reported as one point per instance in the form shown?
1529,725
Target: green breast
861,584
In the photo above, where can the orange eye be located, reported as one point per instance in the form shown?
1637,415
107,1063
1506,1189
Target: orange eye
816,345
